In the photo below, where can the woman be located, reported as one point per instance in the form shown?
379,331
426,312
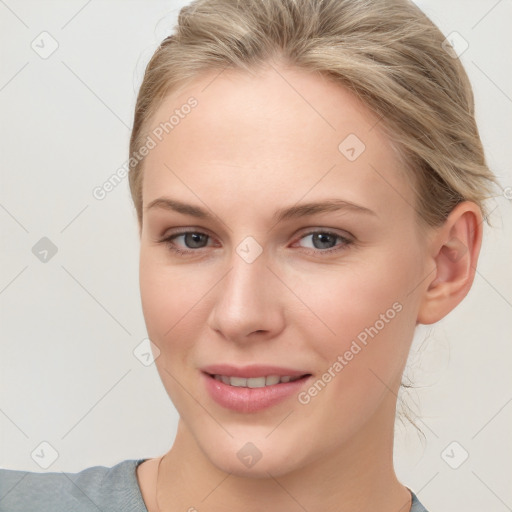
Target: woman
309,183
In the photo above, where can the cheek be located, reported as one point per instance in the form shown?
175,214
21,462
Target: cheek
166,296
366,310
173,297
373,319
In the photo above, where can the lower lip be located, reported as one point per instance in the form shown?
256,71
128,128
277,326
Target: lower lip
251,399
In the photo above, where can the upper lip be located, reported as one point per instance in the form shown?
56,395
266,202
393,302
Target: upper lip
250,371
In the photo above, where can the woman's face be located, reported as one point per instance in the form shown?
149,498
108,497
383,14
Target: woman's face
257,293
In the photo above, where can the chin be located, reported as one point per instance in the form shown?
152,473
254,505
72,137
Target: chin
273,465
260,458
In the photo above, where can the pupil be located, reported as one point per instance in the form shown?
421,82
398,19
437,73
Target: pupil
320,237
193,238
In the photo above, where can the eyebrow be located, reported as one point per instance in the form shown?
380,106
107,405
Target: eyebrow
290,212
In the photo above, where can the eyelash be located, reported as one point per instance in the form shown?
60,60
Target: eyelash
168,241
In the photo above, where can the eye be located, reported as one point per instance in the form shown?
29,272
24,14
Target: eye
324,242
193,240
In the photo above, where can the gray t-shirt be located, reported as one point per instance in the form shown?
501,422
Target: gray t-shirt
94,489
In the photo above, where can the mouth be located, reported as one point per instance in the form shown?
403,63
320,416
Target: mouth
256,382
252,388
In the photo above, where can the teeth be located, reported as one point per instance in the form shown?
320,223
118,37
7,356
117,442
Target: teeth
237,381
272,379
254,382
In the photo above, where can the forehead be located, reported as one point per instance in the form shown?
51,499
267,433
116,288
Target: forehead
281,134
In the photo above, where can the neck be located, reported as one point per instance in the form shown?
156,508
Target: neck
356,476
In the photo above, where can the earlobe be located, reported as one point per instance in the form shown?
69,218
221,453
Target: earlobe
455,250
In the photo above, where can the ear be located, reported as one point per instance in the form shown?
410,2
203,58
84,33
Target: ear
454,247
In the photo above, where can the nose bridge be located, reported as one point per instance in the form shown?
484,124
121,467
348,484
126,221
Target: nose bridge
246,299
247,281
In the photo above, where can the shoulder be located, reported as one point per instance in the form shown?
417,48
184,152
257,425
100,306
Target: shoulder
98,487
416,505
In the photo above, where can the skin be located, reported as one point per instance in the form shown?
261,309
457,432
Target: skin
254,144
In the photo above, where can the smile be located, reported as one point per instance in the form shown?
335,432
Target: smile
255,382
255,389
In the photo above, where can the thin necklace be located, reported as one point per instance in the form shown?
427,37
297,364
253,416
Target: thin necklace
156,489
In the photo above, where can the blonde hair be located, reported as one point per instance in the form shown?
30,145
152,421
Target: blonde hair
387,52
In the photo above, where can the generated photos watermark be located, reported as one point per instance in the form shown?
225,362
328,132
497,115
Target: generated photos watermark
357,345
101,191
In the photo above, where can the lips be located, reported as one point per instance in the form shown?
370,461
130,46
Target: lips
252,388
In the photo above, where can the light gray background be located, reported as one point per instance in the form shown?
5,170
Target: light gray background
69,326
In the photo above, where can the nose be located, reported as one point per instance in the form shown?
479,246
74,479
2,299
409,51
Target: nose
248,301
